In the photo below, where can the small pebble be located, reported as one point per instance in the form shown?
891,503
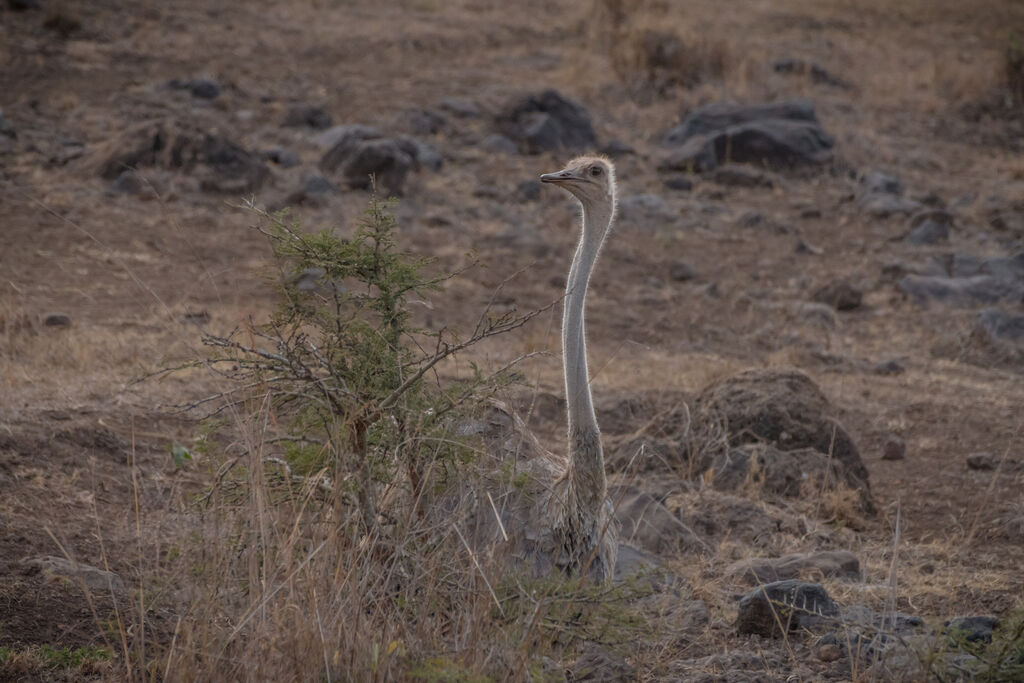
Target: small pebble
57,320
894,449
829,652
681,271
981,461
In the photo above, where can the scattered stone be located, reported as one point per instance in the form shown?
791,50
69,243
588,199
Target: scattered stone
767,470
307,116
972,629
616,148
196,317
57,320
499,144
961,291
804,247
693,156
816,73
317,184
424,121
648,525
7,128
876,182
678,182
839,294
425,156
203,88
996,325
347,133
981,461
734,175
929,227
822,564
282,157
777,608
643,207
530,190
785,408
883,205
681,271
308,280
894,449
547,121
128,182
829,652
718,116
460,107
810,213
595,665
361,152
95,579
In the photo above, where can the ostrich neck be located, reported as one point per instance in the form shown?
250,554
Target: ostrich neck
586,461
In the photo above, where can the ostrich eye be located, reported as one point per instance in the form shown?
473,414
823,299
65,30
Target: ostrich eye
595,171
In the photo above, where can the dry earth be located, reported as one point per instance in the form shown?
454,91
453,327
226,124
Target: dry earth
84,450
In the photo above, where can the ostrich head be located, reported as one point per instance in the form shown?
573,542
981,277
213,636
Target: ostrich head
590,179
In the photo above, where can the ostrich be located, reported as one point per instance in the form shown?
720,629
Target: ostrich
566,521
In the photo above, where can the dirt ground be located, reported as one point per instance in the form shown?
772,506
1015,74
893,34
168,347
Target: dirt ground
85,449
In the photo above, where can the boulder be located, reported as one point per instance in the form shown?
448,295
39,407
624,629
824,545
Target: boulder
648,525
998,326
547,121
718,116
776,608
785,408
791,474
929,227
840,294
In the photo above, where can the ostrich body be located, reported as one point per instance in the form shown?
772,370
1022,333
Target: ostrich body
566,521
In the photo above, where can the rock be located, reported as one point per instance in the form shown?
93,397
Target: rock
772,143
648,525
22,5
816,73
971,629
616,148
203,88
716,517
360,153
424,122
804,247
883,205
529,190
876,182
317,184
696,155
349,133
547,121
631,563
422,154
307,116
718,116
822,564
829,652
785,408
643,207
499,144
839,294
595,665
995,325
894,449
95,579
764,469
128,182
222,166
308,279
681,271
929,227
56,320
282,157
777,608
960,291
981,461
678,182
7,128
460,107
734,175
888,367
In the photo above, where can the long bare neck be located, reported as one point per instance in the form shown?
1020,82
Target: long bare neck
586,460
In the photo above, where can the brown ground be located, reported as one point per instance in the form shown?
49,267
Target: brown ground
79,440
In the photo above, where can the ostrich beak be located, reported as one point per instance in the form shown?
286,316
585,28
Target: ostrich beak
563,176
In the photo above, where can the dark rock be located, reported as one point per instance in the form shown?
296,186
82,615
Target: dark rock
981,461
804,247
128,182
929,227
7,128
221,165
424,122
785,408
883,205
203,88
631,562
681,271
616,148
972,629
423,154
317,184
595,665
876,182
499,144
772,143
547,121
648,525
382,161
282,157
678,182
821,564
839,294
768,470
776,608
529,190
960,291
56,320
643,207
816,73
22,5
63,23
888,367
307,116
994,324
308,279
350,134
460,107
196,317
735,175
894,449
718,116
696,155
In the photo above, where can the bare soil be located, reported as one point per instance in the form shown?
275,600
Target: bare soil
85,450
